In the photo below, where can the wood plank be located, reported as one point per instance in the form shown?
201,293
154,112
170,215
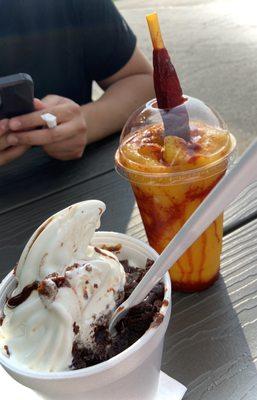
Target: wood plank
36,175
243,209
211,344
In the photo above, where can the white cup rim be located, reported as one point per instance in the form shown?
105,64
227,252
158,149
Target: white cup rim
112,362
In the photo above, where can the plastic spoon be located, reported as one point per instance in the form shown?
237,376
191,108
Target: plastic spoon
229,187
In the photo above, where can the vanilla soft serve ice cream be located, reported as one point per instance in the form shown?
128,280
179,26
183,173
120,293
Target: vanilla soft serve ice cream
64,288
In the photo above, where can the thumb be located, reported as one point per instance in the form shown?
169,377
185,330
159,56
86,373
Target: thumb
39,105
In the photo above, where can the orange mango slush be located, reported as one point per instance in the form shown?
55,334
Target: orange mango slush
170,178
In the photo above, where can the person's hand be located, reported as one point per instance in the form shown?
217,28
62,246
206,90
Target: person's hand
65,142
8,153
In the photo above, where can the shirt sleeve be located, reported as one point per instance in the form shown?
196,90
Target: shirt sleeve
109,41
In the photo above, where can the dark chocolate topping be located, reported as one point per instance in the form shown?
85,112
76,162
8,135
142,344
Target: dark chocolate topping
47,289
61,281
129,329
99,251
75,328
2,317
71,267
88,268
7,350
157,320
21,297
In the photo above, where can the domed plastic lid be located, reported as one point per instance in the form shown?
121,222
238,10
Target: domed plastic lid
185,138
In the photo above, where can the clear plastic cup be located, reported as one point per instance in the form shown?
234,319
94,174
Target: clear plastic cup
167,193
131,375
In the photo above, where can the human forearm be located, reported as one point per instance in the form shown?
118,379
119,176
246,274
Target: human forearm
78,125
108,114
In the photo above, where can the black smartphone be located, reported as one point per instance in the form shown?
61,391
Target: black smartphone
16,95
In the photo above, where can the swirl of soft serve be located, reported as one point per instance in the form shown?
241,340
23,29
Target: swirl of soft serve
75,285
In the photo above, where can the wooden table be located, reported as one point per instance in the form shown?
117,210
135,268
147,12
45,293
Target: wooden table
211,343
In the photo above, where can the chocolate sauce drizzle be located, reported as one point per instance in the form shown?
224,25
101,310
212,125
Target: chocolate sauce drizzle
2,317
15,301
99,251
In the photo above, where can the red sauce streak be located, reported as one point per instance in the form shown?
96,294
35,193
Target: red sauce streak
154,150
216,231
183,273
157,219
190,261
190,287
204,244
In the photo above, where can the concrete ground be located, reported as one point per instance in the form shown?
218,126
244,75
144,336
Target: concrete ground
213,44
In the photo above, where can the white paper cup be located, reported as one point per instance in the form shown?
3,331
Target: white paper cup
131,375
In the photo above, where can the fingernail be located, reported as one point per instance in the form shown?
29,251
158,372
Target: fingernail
14,124
3,124
12,140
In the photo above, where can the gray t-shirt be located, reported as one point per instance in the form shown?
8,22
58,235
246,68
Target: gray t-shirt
63,44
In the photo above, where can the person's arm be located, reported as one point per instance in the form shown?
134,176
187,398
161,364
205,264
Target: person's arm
125,91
